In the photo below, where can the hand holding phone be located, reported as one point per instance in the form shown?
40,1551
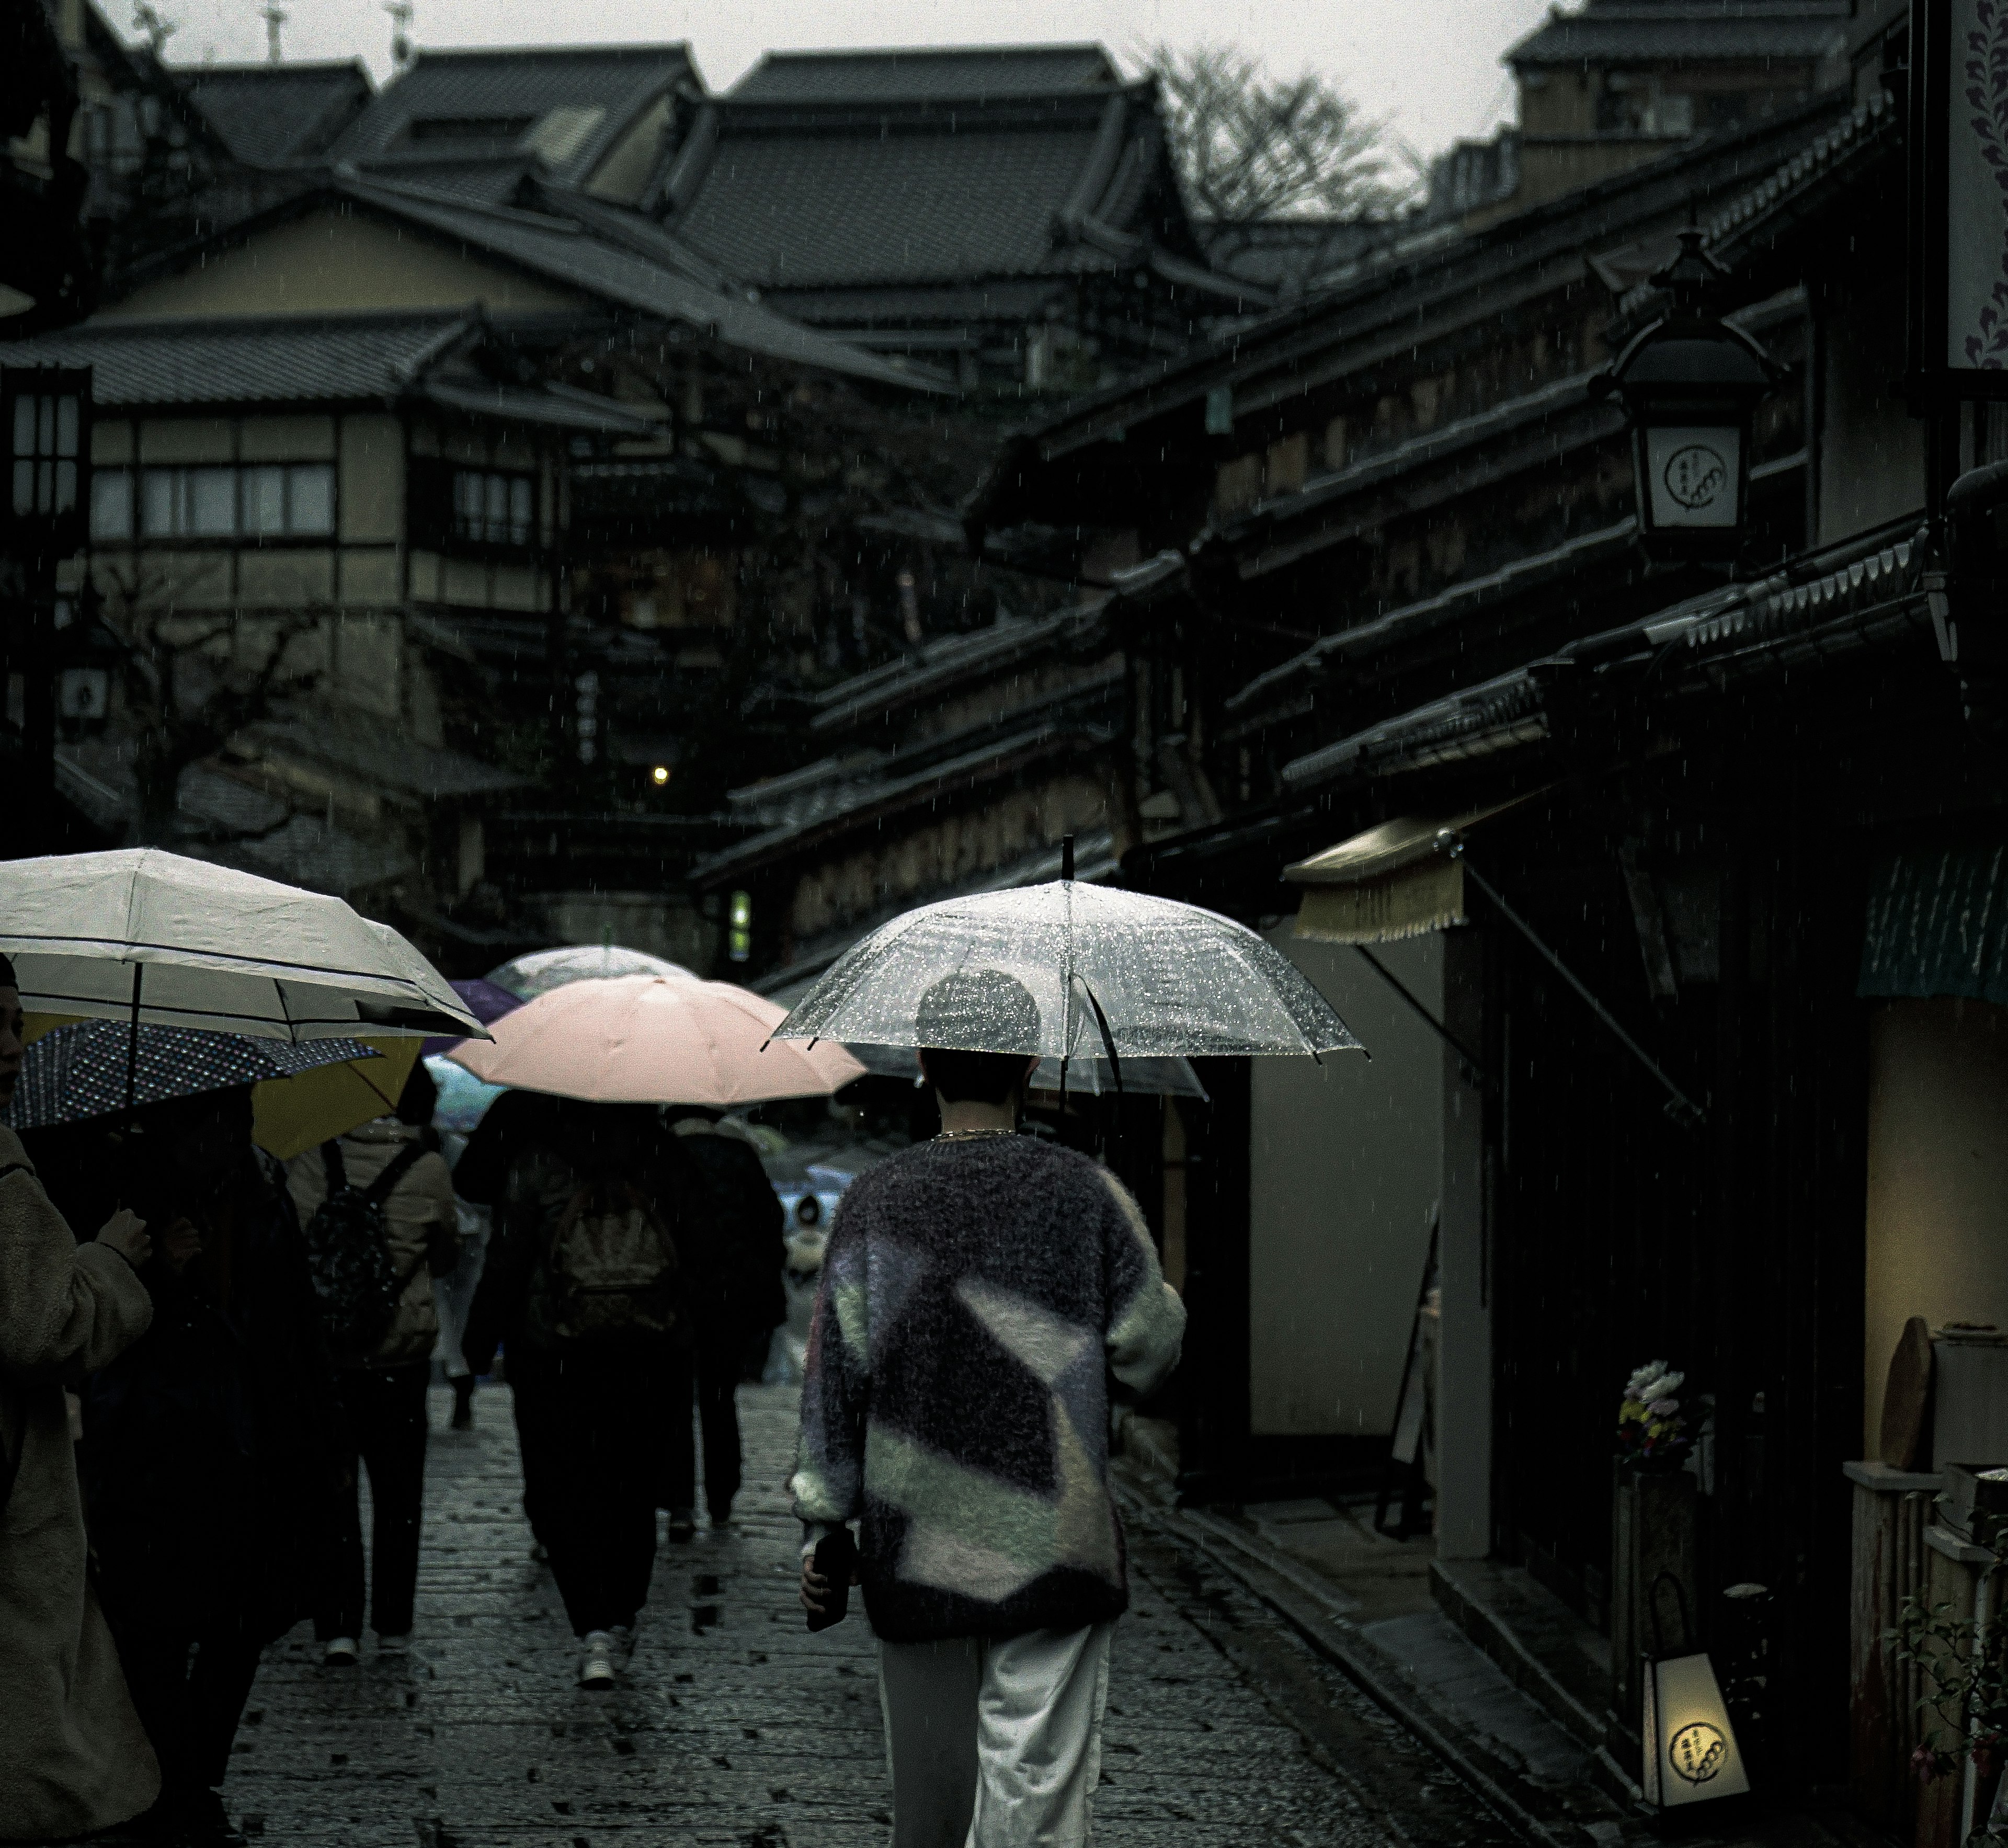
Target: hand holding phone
828,1574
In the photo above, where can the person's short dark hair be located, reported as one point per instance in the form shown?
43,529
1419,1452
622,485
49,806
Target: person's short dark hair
973,1077
979,1010
7,977
420,1098
976,1029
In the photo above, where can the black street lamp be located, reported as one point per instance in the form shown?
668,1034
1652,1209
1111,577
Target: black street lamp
1691,384
44,519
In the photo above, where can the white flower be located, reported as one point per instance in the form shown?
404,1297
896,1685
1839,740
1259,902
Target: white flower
1663,1408
1655,1379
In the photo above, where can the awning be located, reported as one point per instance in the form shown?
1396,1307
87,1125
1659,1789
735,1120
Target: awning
1937,925
1396,880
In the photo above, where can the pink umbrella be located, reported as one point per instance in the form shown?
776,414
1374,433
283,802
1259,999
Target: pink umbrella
652,1039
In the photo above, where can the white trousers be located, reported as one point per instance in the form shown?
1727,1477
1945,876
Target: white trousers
994,1744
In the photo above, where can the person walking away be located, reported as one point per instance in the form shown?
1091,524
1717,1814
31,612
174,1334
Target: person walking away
73,1756
583,1275
978,1291
211,1455
392,1166
453,1296
730,1241
516,1127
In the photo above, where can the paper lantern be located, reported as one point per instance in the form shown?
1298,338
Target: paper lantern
1690,1753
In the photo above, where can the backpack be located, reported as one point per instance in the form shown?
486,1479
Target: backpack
608,1278
348,1253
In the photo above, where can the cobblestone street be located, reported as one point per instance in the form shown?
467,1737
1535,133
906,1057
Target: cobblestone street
735,1725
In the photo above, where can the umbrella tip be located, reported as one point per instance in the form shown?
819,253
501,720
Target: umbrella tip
1066,857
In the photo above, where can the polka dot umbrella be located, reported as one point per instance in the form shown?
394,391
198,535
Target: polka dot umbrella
80,1071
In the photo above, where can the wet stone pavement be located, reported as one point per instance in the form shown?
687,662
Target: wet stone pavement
734,1726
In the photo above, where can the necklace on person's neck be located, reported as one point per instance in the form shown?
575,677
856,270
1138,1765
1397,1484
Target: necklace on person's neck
969,1135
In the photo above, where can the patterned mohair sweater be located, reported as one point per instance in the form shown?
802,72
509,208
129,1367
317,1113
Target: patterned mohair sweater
975,1297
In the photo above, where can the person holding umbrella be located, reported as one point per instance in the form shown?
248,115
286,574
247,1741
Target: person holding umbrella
979,1292
583,1278
211,1450
393,1165
73,1756
733,1252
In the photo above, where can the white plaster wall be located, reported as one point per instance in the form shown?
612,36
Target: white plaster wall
1938,1177
1345,1162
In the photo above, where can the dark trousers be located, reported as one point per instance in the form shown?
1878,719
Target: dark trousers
383,1418
588,1475
189,1688
711,1376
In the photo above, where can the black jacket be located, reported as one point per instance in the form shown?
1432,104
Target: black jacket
210,1446
730,1235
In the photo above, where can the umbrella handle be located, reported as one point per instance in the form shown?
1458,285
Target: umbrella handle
1108,1038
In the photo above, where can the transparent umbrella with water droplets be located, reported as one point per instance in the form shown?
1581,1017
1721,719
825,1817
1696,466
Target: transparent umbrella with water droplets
1113,973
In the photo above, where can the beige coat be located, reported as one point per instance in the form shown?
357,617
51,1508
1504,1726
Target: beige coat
421,1208
73,1756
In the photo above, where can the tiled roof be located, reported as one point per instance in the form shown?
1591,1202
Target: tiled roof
1871,130
1795,619
562,249
387,757
284,359
1283,253
828,196
499,102
265,114
1653,31
864,208
951,73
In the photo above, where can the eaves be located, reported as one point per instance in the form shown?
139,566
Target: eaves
1563,414
958,777
1390,309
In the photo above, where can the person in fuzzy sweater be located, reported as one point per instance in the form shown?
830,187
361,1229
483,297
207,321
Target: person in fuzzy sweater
73,1756
979,1293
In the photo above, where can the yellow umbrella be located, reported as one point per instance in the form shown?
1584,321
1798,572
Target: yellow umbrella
290,1115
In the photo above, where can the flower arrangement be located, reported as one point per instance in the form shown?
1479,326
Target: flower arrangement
1652,1434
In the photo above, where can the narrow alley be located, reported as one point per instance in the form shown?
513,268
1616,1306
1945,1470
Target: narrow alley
735,1725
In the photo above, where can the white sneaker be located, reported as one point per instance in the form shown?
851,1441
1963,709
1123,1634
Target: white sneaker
339,1651
394,1645
597,1649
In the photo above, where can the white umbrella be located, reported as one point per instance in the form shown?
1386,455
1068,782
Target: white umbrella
149,937
543,969
1091,969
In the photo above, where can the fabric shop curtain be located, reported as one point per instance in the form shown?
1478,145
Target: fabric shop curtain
1937,925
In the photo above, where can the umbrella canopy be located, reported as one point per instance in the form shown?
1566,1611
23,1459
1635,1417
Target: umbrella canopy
1158,979
463,1098
526,977
485,1002
651,1039
1092,1077
74,1072
138,935
288,1118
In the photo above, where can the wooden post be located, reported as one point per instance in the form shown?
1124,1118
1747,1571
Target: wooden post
1892,1509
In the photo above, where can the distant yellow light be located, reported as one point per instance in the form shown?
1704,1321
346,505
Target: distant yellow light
660,774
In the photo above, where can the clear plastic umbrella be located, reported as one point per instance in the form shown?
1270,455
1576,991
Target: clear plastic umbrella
1106,972
542,970
1092,1077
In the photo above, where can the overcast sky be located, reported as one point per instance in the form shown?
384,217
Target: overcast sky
1431,66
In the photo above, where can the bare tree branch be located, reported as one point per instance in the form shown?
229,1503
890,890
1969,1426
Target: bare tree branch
1250,146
